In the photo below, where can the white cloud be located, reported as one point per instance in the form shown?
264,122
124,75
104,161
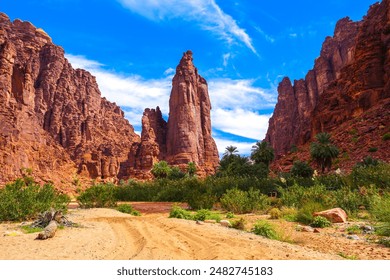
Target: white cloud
267,37
235,102
226,58
206,13
240,122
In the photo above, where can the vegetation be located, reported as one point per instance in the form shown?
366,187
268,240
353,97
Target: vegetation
238,201
97,196
24,199
264,228
301,169
323,151
386,136
128,209
320,222
263,153
275,213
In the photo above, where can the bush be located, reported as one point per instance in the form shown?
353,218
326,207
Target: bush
386,136
320,222
354,229
205,214
289,213
385,242
229,215
128,209
180,213
264,228
238,201
378,175
305,214
275,213
381,212
102,195
239,224
198,194
25,199
301,169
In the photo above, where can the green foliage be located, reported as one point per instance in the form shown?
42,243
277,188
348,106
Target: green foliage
305,214
372,149
238,201
367,162
275,213
323,151
239,224
298,196
262,152
198,194
180,213
354,229
98,196
320,222
25,199
378,175
191,169
301,169
128,209
29,229
175,173
238,166
229,215
205,214
264,228
289,213
386,136
385,242
161,169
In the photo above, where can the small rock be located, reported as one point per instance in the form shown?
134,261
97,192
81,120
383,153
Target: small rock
199,223
225,223
367,229
316,230
353,237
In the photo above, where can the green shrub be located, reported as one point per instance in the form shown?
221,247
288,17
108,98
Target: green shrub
386,136
354,229
264,228
128,209
301,169
205,214
378,175
24,199
320,222
229,215
380,210
289,213
239,224
102,195
180,213
198,194
297,196
275,213
305,214
372,149
238,201
385,242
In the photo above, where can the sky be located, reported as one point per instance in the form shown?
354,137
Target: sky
243,48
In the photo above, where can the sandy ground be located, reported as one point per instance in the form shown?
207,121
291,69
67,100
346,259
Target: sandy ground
109,234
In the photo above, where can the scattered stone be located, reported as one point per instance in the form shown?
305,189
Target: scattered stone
225,223
316,230
367,229
353,237
199,223
335,215
304,228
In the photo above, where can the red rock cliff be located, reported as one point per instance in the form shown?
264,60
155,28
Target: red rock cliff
350,78
52,117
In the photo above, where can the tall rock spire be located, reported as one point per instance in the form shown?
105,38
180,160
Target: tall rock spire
189,125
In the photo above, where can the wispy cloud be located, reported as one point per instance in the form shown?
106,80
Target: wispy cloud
267,37
236,103
206,13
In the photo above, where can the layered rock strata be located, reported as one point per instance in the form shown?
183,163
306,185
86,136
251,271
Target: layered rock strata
350,76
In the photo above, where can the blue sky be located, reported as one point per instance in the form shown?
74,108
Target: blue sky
242,47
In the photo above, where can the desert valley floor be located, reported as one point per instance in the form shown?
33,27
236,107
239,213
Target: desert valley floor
109,234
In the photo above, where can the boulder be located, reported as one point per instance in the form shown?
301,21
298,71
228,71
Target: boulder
335,215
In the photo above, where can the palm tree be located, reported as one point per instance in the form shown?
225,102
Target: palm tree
230,151
323,151
161,169
262,152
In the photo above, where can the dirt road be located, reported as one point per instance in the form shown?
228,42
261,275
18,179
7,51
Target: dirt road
109,234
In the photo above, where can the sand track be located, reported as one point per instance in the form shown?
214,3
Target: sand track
108,234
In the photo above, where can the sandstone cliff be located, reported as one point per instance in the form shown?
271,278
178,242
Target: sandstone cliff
52,117
187,135
350,79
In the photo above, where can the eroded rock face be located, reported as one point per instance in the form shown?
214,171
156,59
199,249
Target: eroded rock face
187,135
350,76
52,117
189,124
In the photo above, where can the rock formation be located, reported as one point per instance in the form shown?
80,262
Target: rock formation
350,78
54,122
187,135
53,119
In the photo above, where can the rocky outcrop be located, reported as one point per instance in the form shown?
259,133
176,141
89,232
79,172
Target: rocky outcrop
53,119
189,125
187,135
350,77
